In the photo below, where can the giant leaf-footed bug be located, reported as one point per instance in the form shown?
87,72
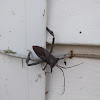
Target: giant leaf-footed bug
47,57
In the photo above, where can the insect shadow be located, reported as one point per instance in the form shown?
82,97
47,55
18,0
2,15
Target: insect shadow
47,57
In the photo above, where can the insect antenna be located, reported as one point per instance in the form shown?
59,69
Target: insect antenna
75,65
70,66
63,77
60,66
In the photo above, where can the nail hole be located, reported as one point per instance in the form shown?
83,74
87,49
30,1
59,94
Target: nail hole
80,32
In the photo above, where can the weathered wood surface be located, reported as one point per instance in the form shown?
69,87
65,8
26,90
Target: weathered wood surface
82,82
74,21
19,81
22,25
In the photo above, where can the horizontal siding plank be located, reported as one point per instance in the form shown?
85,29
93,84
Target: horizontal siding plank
74,21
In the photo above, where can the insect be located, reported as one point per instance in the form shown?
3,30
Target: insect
47,57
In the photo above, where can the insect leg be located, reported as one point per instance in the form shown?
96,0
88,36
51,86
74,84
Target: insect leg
51,32
70,66
74,65
53,40
51,70
60,66
64,79
52,45
45,67
28,59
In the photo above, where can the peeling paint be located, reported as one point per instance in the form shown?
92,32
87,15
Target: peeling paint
36,80
46,92
39,75
80,77
13,13
81,88
9,51
9,31
44,13
62,91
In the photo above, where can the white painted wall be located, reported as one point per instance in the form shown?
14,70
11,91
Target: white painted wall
82,82
19,81
22,25
67,18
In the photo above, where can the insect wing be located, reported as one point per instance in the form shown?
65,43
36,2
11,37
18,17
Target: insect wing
41,52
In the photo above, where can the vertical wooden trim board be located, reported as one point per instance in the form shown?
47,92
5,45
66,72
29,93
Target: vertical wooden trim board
23,24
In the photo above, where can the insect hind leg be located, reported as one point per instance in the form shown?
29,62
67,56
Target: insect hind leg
28,59
53,40
45,67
